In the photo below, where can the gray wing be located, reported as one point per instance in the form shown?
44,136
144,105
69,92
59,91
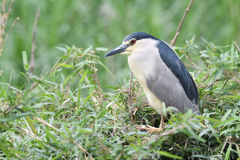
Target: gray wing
172,61
169,90
173,88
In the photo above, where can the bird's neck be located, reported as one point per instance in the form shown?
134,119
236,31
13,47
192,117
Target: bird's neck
142,65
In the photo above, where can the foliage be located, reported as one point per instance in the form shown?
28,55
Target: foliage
59,115
106,23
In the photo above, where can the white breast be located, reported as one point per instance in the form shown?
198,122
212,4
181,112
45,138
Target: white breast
142,65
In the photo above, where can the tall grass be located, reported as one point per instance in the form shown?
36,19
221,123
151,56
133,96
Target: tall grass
57,115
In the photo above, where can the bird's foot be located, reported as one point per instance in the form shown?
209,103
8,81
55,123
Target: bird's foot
149,128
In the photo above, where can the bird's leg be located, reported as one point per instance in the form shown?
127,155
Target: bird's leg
162,122
153,129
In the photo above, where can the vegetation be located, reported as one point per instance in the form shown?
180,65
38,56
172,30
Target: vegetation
104,24
50,119
67,112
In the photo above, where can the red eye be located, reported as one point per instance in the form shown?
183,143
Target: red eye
133,41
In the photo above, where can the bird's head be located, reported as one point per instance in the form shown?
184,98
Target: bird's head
133,42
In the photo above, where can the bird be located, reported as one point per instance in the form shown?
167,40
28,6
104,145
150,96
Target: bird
161,74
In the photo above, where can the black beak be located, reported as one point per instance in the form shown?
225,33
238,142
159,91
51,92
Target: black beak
117,50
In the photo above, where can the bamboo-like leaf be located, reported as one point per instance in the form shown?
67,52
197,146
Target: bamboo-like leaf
29,121
62,49
225,122
13,117
101,49
25,61
228,152
226,115
167,154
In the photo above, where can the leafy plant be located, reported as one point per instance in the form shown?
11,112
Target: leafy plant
65,113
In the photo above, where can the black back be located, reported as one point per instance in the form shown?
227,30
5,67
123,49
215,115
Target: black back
177,67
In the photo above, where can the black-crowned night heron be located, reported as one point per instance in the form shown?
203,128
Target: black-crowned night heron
160,72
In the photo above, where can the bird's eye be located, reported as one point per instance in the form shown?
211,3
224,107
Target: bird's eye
133,41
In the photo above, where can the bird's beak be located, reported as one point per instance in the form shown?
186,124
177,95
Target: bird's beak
117,50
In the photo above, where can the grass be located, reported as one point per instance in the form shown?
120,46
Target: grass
57,115
106,23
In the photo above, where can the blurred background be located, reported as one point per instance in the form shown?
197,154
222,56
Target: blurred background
104,23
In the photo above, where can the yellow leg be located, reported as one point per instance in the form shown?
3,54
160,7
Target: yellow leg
153,129
162,122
